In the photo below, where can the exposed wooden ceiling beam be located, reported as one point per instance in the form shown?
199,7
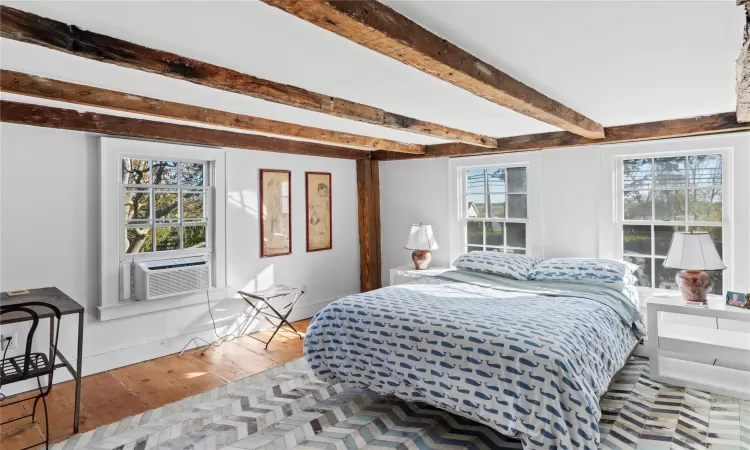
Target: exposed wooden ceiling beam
30,28
713,124
47,88
743,71
380,28
68,119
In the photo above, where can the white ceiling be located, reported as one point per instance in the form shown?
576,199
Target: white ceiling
616,62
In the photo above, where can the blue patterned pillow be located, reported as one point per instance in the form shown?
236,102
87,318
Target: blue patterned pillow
607,272
497,263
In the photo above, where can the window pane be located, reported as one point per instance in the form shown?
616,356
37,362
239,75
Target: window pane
705,204
663,238
192,174
517,251
165,206
496,180
636,173
670,205
137,205
637,205
516,234
135,171
475,206
670,172
138,240
166,172
494,233
704,170
716,236
473,249
493,249
474,232
636,239
167,238
665,276
644,272
194,236
517,180
718,278
475,181
192,205
497,205
517,206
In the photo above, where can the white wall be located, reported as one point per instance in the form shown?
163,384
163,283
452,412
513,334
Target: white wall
418,190
50,237
571,195
325,275
412,191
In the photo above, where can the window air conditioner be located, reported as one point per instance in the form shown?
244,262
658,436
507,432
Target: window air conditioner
168,277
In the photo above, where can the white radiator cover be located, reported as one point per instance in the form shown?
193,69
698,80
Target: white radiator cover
169,277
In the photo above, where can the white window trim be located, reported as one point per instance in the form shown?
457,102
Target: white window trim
534,228
735,150
112,151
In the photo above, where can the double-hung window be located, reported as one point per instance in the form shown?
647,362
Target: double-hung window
661,195
165,206
495,209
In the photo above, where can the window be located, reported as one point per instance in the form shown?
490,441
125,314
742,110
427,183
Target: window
164,205
495,209
661,195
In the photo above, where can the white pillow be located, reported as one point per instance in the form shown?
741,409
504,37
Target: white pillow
497,263
606,272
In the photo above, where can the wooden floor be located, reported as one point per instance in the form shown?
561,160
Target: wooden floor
113,395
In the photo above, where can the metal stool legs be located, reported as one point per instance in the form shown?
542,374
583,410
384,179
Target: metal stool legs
260,304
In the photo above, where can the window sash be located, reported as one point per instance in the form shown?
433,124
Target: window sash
681,224
207,182
621,189
179,222
487,212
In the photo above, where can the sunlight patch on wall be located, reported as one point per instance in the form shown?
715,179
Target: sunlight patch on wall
245,200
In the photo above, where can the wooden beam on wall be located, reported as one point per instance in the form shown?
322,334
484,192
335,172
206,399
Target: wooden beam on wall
68,119
368,196
47,88
713,124
743,71
30,28
380,28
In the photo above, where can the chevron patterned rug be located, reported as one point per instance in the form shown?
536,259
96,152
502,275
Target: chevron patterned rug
287,408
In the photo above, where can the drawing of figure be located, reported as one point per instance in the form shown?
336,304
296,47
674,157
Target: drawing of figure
319,213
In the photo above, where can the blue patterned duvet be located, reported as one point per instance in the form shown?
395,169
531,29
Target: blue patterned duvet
529,359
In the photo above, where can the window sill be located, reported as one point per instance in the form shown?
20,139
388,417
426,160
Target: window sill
134,307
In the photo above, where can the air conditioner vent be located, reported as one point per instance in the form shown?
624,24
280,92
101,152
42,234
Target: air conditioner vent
168,277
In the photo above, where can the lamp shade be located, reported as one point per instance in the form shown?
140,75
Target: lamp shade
693,251
421,238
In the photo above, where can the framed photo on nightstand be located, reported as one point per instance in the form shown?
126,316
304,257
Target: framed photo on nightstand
738,299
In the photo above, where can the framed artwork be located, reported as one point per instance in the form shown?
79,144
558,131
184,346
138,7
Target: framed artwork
738,299
318,193
275,212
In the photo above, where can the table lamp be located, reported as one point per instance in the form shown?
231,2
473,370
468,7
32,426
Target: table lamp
421,240
693,252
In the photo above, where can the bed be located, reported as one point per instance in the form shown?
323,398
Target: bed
529,359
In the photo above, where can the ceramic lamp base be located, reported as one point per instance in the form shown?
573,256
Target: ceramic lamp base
421,259
694,285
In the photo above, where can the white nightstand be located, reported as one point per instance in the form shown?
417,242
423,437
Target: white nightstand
675,345
406,273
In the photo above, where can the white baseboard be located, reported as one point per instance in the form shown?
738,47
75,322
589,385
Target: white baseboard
153,349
